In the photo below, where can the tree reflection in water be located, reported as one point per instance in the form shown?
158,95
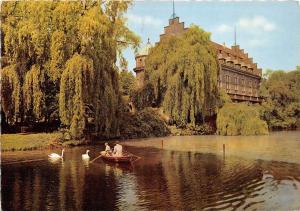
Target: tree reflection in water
162,180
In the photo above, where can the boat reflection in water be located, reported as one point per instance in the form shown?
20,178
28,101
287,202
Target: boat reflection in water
162,179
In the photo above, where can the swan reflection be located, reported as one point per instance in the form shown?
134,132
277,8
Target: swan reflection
86,162
56,161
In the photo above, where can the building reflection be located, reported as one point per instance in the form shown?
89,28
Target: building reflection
194,180
163,179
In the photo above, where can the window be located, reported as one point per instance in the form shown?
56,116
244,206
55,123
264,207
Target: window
243,85
250,85
227,82
236,83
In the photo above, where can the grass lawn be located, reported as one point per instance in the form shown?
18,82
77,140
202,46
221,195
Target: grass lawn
19,141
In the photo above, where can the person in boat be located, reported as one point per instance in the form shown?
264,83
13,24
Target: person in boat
118,150
107,149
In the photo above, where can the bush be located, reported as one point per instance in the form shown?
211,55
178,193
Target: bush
144,123
240,119
190,130
143,98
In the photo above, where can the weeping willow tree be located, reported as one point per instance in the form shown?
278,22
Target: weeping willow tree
183,72
57,54
63,50
26,28
102,35
33,93
75,93
10,93
240,119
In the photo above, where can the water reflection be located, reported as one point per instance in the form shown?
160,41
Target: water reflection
161,180
86,162
56,161
279,146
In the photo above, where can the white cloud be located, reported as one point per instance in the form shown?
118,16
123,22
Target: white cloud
252,32
144,20
259,23
223,28
256,43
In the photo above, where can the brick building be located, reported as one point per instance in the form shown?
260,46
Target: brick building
239,75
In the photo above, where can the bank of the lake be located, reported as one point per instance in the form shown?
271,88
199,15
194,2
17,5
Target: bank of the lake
40,141
44,141
36,141
20,142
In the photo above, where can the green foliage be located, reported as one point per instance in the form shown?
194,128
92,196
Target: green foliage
183,72
10,93
143,98
223,98
189,130
145,123
127,82
240,119
76,89
60,52
34,99
282,99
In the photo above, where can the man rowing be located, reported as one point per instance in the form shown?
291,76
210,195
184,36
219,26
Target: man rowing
118,150
107,149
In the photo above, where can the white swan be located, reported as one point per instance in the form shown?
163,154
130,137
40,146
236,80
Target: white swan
86,155
56,156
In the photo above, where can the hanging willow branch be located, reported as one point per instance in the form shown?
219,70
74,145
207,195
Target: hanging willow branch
183,72
33,92
10,93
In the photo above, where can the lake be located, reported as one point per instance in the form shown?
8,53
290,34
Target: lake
190,172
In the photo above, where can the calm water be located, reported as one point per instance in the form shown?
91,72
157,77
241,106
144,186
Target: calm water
261,172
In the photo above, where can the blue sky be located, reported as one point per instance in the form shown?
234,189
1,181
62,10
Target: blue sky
268,30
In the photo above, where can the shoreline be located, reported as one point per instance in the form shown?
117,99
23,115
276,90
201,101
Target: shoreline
240,146
48,141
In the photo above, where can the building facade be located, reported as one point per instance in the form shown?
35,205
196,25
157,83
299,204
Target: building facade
239,76
140,63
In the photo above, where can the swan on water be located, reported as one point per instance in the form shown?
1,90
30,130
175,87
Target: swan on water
86,155
57,156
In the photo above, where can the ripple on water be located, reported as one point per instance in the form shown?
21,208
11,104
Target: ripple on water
250,187
162,180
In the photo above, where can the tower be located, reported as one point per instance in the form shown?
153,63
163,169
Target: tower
234,35
140,63
173,14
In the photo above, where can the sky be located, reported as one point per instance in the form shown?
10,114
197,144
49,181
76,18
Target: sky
269,31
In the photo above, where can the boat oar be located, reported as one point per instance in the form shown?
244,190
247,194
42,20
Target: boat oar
95,158
137,157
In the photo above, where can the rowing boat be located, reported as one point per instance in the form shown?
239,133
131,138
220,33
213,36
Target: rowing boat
126,158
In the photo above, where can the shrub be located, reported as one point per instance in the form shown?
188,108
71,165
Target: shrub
144,123
190,130
240,119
